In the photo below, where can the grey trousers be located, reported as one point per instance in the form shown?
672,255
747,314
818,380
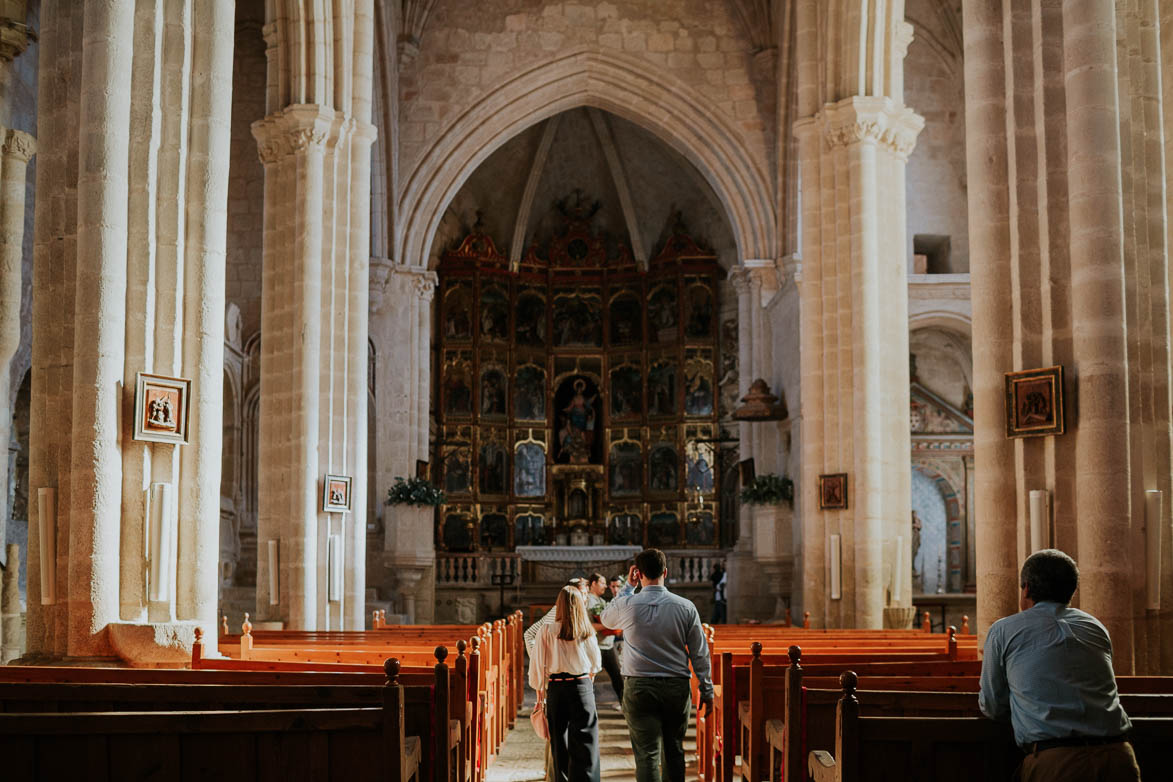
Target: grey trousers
657,711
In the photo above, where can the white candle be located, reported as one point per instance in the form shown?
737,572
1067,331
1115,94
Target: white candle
836,564
1153,502
47,532
161,529
1038,520
898,570
274,595
334,562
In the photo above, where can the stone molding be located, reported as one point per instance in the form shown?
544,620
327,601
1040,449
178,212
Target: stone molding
294,130
388,277
739,277
878,120
19,145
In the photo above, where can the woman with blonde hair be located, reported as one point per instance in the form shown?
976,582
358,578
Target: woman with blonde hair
562,668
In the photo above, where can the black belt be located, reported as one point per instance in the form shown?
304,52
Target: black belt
567,677
1074,741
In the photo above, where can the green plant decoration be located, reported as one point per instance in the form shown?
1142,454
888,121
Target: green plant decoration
414,491
769,489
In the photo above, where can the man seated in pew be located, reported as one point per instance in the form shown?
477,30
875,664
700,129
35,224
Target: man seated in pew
661,635
596,588
1048,669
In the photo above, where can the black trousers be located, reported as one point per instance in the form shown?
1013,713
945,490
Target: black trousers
574,730
611,666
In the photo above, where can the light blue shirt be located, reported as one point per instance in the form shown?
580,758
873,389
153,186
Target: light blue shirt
661,633
1049,669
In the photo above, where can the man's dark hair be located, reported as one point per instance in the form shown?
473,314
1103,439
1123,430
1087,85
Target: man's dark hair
593,577
651,563
613,579
1050,575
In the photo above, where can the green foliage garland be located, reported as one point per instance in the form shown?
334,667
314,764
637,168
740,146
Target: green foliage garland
768,489
414,491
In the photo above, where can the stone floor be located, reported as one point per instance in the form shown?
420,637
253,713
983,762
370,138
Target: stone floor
522,758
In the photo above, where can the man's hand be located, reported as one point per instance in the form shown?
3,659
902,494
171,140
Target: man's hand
633,576
706,706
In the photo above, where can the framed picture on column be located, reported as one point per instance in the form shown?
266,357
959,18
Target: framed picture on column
336,494
833,491
1034,402
161,407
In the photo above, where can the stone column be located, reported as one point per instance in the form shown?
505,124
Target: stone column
1103,493
995,495
11,632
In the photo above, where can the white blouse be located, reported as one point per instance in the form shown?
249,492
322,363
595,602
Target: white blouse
552,655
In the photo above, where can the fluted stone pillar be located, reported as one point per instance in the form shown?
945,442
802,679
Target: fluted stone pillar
11,633
401,328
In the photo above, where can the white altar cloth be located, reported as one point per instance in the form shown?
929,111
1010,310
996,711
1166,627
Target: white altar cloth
577,553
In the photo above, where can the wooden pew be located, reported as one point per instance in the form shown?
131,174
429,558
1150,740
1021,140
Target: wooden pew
295,744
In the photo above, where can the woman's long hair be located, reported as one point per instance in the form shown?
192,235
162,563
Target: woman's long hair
571,612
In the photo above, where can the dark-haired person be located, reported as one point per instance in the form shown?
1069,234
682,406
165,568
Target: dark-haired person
615,584
1048,670
562,668
661,635
596,588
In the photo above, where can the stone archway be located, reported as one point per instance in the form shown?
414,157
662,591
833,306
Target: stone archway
954,532
625,86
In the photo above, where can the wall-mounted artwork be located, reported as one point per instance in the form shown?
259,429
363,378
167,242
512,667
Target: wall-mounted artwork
833,491
626,320
699,321
494,531
577,405
663,530
492,468
626,392
578,321
528,530
626,470
529,470
1034,402
457,325
529,394
699,467
698,392
456,473
530,328
626,529
664,467
336,494
494,313
662,317
457,389
458,529
662,389
161,408
492,393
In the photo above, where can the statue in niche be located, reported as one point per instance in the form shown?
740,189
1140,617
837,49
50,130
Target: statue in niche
577,421
529,394
625,320
700,473
577,321
626,477
494,314
493,393
663,468
492,469
625,392
662,313
457,308
699,399
457,394
918,570
662,389
700,312
529,470
456,477
531,320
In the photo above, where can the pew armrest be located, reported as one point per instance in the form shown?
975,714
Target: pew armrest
775,734
821,766
411,758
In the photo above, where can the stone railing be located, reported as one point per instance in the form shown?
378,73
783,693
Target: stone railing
476,570
692,567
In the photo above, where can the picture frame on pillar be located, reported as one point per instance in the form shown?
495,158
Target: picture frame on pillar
336,493
421,469
746,471
833,491
161,406
1034,402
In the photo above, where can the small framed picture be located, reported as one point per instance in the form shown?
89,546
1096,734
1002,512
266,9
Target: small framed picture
336,494
745,469
421,469
1034,402
833,491
161,408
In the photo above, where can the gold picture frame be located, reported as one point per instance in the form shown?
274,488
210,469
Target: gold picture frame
833,491
1034,402
161,408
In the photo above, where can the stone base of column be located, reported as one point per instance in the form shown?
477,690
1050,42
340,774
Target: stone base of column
777,578
158,645
414,584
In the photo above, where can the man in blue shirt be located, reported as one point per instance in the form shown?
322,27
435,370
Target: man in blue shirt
661,636
1048,669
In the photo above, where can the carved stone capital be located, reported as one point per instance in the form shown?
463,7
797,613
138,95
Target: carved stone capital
765,64
294,130
739,277
14,39
391,280
875,120
19,145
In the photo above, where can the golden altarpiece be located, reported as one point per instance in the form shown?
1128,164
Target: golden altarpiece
577,397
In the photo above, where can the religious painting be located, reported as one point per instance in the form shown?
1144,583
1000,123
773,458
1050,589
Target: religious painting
663,530
664,467
1034,402
492,469
457,478
529,470
458,311
833,491
626,529
421,469
626,320
699,459
662,388
457,388
528,530
626,470
492,393
529,393
699,319
698,391
336,494
494,531
626,392
161,408
662,317
530,320
700,529
576,404
578,321
458,531
746,471
494,312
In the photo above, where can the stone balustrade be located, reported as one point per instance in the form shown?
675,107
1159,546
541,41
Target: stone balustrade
476,570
